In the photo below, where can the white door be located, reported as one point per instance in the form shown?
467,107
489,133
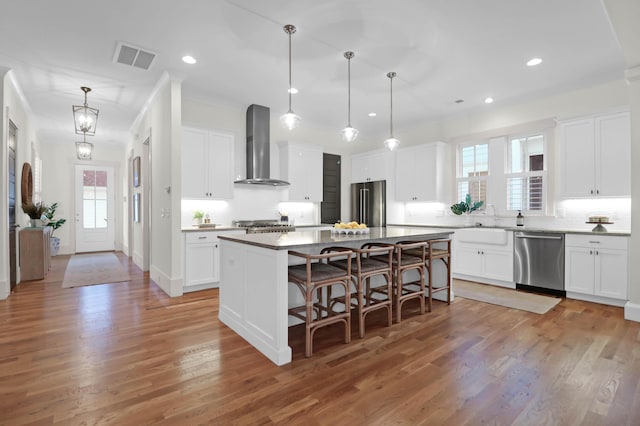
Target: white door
94,209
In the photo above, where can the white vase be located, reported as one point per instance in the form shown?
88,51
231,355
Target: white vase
35,223
55,245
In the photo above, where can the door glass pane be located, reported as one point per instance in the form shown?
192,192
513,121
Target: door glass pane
94,199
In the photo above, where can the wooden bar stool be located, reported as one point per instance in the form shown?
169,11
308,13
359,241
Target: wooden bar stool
403,263
372,259
311,278
444,254
434,251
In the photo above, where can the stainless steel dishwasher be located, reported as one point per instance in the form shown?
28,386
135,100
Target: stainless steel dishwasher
539,262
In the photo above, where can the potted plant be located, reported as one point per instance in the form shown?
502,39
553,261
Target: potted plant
197,217
54,224
466,207
35,212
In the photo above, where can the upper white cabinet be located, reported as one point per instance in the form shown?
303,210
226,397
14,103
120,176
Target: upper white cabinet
207,164
595,156
596,266
421,174
370,166
301,166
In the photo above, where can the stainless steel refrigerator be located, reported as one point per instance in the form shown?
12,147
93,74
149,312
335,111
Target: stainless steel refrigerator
369,203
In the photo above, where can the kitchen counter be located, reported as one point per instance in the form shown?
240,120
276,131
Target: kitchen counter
622,233
254,290
208,228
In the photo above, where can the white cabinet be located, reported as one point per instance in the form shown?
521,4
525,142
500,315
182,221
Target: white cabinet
483,255
595,156
301,166
207,164
421,174
596,266
371,166
202,259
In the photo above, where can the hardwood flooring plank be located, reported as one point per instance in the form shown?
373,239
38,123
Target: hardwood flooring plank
126,353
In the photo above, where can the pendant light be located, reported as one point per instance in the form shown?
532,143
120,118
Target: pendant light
392,142
349,134
290,120
85,117
84,149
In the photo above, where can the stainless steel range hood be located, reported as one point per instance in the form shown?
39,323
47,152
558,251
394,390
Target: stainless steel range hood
258,146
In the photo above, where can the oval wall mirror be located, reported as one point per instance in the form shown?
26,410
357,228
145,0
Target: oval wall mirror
26,187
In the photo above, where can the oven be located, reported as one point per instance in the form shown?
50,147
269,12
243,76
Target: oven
263,226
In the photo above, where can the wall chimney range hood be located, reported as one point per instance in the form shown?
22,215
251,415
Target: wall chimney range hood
258,146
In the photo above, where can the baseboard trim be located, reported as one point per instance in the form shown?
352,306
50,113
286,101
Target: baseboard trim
632,312
173,287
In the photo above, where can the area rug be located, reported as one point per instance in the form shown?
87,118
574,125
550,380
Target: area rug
538,304
94,268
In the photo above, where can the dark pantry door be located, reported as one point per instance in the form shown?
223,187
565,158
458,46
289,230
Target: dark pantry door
330,206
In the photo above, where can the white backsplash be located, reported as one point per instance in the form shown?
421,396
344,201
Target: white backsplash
252,203
570,214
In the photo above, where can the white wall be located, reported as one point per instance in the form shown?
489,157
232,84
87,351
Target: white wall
160,121
58,182
16,109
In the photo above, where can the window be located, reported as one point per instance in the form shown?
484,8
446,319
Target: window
473,171
94,198
526,173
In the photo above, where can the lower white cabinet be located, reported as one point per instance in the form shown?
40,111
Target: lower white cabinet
596,266
202,259
482,257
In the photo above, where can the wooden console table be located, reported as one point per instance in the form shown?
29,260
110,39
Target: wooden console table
35,253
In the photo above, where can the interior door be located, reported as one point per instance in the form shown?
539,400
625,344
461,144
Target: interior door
12,205
95,227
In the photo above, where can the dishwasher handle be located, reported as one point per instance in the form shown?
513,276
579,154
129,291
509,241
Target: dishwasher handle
540,237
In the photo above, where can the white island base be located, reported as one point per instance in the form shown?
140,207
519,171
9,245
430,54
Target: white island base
254,289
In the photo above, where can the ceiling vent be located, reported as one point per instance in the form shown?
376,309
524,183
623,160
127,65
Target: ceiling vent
133,56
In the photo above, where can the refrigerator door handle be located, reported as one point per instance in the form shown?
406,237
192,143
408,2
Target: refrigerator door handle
364,205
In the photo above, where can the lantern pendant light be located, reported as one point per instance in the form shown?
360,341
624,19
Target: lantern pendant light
392,142
290,120
85,117
84,149
349,134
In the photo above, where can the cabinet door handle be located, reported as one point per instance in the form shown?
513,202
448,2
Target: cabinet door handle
590,252
597,252
591,192
202,238
594,242
597,191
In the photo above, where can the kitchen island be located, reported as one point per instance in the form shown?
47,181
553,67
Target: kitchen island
254,290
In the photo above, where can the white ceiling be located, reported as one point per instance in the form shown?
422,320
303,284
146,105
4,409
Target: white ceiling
442,50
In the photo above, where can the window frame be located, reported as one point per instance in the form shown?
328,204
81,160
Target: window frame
469,179
526,174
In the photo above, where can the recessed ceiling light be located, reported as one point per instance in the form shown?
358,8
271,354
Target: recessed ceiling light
189,60
293,90
488,100
533,62
459,101
372,114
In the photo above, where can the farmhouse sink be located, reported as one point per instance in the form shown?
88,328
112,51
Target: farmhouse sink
482,235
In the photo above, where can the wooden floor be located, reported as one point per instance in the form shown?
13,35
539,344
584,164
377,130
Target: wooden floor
126,354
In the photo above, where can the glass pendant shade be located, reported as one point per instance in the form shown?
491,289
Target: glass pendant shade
85,117
84,150
290,120
349,134
391,143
